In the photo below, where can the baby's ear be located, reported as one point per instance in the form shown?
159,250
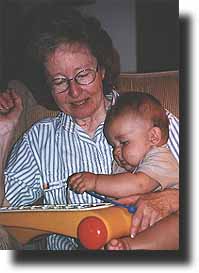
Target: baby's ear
155,135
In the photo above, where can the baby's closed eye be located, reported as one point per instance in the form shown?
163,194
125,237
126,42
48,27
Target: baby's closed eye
124,142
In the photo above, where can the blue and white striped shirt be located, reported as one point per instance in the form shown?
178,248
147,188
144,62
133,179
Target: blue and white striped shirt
52,150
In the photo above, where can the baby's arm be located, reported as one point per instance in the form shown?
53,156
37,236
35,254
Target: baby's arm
116,185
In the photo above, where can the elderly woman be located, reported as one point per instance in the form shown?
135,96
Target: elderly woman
76,55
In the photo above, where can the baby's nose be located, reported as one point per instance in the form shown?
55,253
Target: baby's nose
116,151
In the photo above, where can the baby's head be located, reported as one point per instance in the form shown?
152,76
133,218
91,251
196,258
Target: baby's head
135,124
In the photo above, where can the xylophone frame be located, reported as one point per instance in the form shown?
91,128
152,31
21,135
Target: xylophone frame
94,227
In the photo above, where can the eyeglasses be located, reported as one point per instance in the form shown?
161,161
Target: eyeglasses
84,77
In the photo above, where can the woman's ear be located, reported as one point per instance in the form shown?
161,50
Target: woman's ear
155,135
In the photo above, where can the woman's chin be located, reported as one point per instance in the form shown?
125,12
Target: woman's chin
82,114
79,112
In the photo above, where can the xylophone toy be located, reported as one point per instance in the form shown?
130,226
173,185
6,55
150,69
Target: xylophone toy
94,225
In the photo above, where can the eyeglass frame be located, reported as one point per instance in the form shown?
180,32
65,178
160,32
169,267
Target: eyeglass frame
66,80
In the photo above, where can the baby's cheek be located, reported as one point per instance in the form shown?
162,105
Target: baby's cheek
130,158
126,154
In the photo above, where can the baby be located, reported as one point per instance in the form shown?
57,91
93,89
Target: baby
137,128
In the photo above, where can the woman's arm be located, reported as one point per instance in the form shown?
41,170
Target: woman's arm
10,111
151,208
5,143
164,235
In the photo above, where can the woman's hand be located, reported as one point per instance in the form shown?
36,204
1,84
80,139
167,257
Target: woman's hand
10,110
151,207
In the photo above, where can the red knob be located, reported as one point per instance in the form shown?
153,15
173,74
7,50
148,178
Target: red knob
92,232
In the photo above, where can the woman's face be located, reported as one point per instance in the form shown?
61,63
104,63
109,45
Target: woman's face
79,101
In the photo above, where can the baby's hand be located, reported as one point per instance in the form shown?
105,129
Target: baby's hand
81,182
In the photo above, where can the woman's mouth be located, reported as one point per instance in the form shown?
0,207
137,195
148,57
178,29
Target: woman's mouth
79,102
121,161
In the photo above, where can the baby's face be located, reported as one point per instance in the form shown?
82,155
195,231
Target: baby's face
130,138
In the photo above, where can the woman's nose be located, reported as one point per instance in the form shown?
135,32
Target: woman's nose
74,89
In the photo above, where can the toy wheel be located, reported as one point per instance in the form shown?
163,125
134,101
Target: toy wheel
92,232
